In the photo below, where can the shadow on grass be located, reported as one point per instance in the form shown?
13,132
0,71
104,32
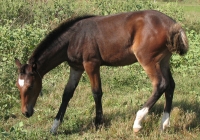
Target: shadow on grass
184,109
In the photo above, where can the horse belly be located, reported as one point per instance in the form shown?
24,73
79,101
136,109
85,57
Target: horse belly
120,59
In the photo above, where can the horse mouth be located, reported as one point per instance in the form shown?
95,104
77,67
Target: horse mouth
28,114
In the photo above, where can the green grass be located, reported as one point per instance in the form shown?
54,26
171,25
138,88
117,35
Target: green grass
191,11
191,8
120,103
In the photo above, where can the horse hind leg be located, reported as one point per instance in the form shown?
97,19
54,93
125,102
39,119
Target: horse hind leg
159,83
73,81
168,104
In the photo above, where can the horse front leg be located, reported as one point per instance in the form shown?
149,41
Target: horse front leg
93,71
73,81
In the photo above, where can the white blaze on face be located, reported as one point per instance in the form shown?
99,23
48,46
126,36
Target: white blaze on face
139,117
21,82
165,121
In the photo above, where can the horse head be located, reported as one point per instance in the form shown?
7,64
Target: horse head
29,83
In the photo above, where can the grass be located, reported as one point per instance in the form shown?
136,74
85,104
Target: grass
120,104
192,11
193,21
191,8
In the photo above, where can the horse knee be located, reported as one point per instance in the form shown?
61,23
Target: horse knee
163,85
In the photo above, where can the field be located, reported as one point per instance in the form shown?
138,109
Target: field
23,24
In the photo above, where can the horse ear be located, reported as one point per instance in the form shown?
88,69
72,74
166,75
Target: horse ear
18,63
34,66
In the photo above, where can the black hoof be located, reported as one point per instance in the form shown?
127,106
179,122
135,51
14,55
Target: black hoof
98,123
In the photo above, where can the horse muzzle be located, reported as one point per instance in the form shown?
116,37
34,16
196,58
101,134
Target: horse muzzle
28,113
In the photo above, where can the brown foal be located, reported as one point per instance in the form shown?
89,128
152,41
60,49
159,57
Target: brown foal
88,42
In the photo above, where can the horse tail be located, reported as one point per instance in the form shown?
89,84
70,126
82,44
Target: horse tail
177,40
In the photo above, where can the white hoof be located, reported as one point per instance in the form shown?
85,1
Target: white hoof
140,115
54,128
136,130
165,121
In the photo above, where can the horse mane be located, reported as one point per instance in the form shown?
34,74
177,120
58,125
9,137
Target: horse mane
54,34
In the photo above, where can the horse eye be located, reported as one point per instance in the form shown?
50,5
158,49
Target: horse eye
30,87
21,74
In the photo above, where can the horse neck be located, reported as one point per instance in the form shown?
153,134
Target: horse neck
52,57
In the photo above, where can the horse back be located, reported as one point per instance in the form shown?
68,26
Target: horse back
116,40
